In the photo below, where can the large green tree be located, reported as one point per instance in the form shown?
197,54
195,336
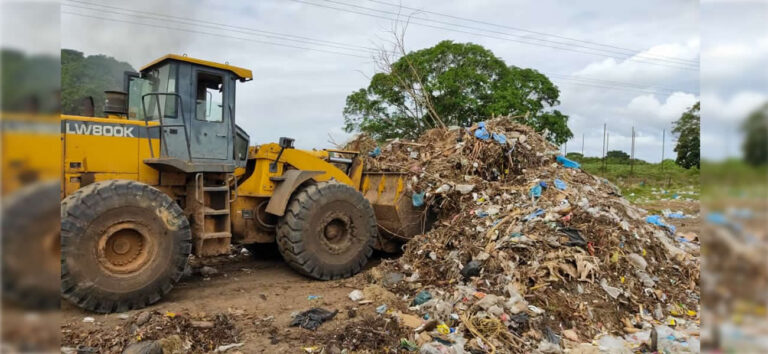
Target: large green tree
755,129
83,76
453,84
687,130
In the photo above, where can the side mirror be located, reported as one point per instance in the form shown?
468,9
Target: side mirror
286,143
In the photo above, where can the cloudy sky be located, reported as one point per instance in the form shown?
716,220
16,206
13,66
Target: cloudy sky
616,62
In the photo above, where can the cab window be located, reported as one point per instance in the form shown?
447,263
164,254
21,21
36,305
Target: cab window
161,79
209,97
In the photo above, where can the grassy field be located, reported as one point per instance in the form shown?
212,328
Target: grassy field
648,182
733,179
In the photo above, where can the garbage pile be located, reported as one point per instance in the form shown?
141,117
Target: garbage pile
528,252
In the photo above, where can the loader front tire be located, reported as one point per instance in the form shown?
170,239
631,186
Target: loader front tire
327,232
124,245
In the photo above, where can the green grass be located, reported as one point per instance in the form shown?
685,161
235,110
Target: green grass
647,181
734,179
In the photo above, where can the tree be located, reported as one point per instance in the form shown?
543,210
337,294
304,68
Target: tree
617,155
83,76
755,146
687,130
453,84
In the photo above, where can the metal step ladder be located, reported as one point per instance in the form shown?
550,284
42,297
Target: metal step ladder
209,211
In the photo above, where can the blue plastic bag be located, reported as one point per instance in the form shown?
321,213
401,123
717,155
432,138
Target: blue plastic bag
559,184
656,220
567,163
533,215
536,191
500,138
375,153
421,298
418,199
481,133
717,218
675,216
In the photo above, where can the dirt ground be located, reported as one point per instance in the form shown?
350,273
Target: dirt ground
259,294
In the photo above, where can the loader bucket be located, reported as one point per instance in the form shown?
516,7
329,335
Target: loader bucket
396,216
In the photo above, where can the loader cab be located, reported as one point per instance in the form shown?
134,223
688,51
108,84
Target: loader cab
193,103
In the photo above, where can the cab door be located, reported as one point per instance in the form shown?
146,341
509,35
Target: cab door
210,131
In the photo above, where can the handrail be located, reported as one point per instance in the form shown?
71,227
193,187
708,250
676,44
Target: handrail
180,107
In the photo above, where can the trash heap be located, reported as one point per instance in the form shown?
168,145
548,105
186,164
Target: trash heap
529,252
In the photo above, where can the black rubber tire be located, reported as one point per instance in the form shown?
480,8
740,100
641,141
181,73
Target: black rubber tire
88,213
30,244
305,247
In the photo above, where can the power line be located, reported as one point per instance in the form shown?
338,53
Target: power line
631,51
214,34
215,25
627,57
612,87
612,82
281,36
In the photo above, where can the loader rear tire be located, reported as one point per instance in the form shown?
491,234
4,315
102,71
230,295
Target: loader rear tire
30,244
327,232
124,245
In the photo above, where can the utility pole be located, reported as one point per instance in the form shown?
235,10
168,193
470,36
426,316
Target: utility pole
663,141
607,143
582,144
605,125
632,154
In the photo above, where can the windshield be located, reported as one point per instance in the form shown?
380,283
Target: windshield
160,79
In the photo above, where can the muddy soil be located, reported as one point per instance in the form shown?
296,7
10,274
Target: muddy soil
257,293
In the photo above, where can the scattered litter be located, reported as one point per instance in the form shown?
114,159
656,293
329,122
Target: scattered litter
612,291
465,188
574,237
420,298
481,133
500,138
314,297
535,191
533,215
567,163
375,152
471,269
418,199
224,348
381,309
356,295
89,320
312,318
559,184
207,271
657,220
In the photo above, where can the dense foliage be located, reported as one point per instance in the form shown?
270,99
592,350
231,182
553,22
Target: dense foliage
687,129
464,83
83,76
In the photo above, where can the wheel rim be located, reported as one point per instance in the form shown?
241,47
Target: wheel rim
125,248
336,232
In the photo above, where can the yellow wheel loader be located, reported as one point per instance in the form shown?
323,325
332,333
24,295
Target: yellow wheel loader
168,173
